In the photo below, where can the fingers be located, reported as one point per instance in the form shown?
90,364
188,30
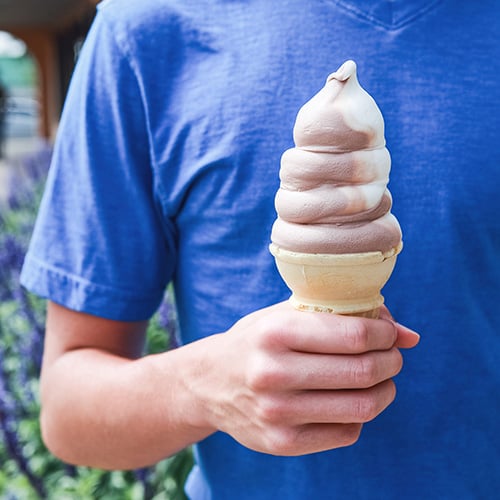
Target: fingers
311,438
348,406
406,338
357,406
330,333
321,420
324,371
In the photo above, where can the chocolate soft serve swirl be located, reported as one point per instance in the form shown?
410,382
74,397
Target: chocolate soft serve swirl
333,196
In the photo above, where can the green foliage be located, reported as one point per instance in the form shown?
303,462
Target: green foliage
18,71
28,471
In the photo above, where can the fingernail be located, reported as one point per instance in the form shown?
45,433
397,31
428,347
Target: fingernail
409,330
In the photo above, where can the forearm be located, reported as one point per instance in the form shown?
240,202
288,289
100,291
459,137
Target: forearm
105,411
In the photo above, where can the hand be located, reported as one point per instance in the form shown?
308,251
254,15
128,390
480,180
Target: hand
289,382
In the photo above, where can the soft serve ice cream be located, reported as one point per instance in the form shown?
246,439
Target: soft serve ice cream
333,198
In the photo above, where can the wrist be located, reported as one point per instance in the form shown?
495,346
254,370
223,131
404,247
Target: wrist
176,377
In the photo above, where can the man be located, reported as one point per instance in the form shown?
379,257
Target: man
166,168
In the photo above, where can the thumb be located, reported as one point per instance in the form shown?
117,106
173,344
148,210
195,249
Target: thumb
407,338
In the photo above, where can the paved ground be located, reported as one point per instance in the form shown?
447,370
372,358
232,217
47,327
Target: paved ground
20,146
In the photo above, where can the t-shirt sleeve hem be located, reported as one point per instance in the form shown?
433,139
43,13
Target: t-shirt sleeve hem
81,295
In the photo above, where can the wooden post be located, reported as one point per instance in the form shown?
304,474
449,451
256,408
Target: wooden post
42,46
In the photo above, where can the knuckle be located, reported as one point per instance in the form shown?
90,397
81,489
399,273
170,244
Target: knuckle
350,434
365,371
282,441
263,332
271,410
391,391
357,335
354,334
273,330
264,374
366,408
398,360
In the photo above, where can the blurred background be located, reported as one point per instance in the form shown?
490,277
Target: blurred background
39,46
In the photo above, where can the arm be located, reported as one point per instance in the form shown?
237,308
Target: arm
279,381
102,404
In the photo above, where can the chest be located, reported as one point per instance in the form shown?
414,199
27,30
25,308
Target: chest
220,133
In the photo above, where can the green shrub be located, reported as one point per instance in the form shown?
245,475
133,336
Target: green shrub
28,470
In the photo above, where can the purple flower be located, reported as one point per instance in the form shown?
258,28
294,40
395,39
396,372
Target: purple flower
21,323
167,319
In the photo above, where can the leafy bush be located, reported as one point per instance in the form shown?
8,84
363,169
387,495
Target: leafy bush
28,470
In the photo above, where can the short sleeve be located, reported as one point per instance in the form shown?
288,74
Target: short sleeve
100,243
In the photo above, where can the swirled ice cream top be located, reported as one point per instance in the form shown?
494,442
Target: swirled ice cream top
333,196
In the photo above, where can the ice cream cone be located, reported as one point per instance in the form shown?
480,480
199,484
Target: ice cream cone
337,283
335,239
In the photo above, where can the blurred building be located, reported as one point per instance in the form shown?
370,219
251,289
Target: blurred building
53,31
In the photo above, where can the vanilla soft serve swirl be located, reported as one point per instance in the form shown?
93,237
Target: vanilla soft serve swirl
333,196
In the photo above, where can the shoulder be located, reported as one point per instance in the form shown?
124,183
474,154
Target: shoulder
152,33
130,14
146,19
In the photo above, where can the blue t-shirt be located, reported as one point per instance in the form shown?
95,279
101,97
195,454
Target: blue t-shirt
166,167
